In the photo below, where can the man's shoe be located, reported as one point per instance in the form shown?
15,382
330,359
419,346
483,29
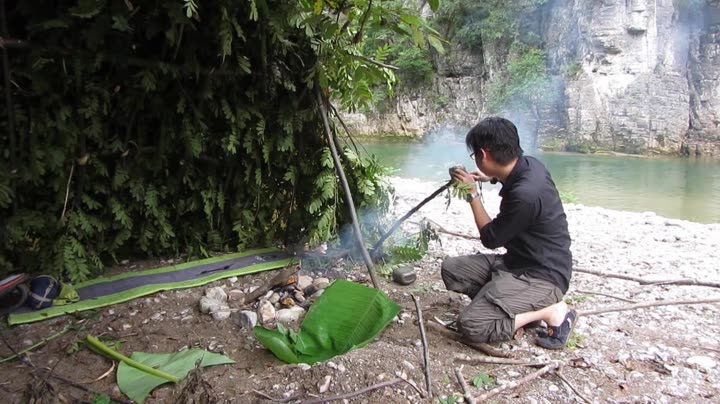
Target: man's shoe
557,337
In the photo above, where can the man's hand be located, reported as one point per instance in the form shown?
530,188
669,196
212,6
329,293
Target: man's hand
460,175
480,176
473,176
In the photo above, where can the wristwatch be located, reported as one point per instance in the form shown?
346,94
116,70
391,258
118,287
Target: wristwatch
472,196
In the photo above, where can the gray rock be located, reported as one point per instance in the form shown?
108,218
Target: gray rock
236,295
409,366
245,319
299,297
321,283
304,281
289,315
209,305
222,314
216,293
274,298
233,279
266,312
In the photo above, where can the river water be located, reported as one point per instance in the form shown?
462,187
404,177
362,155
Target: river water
672,187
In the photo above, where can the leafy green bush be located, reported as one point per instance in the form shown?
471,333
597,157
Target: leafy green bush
179,127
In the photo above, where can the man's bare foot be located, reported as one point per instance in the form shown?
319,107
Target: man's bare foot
557,316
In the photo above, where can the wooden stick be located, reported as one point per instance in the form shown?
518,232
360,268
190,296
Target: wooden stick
572,387
645,305
466,390
67,192
497,361
426,350
278,279
39,344
441,229
398,222
87,390
587,292
487,349
532,376
642,281
357,393
346,191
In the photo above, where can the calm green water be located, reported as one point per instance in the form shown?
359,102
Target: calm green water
678,188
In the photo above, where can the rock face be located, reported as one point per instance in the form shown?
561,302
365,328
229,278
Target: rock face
631,93
635,76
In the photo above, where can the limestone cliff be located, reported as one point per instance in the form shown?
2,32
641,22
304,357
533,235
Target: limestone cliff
646,79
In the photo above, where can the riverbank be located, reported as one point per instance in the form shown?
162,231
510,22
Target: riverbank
660,355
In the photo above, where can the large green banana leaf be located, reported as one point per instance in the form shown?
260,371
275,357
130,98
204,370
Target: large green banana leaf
137,384
347,316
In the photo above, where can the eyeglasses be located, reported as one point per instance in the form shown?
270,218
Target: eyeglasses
472,156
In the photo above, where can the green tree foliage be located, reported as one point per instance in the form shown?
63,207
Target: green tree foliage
179,126
475,25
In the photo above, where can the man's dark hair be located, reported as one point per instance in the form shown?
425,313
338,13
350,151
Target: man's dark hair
496,135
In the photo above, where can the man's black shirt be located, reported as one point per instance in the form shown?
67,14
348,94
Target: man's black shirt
532,225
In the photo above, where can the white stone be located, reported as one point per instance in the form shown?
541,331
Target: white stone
216,293
409,366
704,362
553,388
266,312
323,387
289,315
233,279
304,366
304,281
274,298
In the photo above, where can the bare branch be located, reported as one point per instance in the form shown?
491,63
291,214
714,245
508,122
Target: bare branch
466,390
357,393
588,292
645,305
532,376
643,281
484,348
572,387
426,351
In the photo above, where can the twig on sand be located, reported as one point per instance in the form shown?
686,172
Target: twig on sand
643,281
276,280
645,305
589,292
275,400
357,393
487,349
84,388
497,361
532,376
426,349
559,374
466,391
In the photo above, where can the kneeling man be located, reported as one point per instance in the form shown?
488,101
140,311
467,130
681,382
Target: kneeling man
526,284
